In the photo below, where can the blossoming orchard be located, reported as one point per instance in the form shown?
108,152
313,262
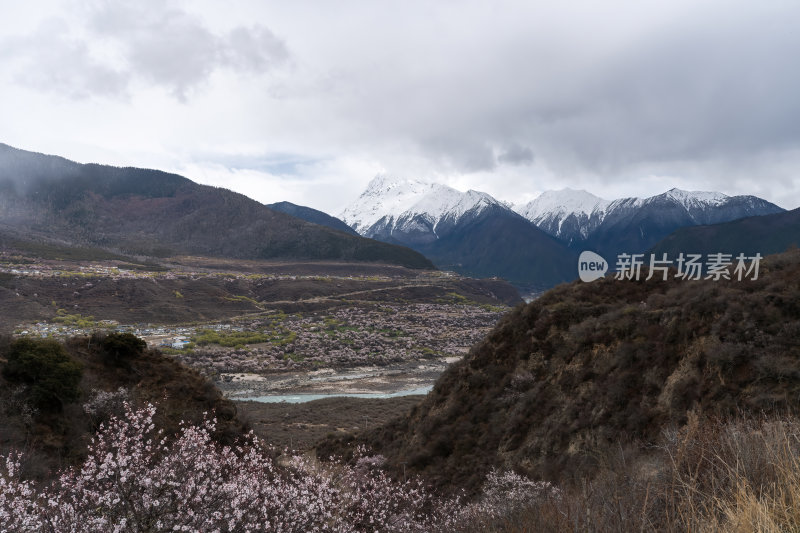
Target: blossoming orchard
137,479
348,337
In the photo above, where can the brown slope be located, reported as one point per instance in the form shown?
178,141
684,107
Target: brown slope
149,212
587,365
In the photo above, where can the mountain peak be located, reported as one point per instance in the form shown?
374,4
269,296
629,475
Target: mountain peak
694,197
389,200
563,201
384,183
551,209
469,232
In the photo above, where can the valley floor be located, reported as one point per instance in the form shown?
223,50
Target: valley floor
299,426
265,328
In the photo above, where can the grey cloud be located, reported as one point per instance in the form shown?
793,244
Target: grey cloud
57,63
174,48
724,89
288,164
154,41
709,81
254,49
600,92
461,154
516,155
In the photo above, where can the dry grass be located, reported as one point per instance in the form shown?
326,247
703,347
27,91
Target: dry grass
740,475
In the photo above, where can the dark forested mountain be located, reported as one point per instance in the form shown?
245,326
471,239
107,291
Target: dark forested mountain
766,234
498,242
312,215
586,365
148,212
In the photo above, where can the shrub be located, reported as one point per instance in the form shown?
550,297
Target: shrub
120,347
44,365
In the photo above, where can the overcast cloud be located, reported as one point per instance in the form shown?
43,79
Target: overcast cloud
306,101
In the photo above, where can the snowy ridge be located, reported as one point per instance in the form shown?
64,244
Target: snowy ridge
565,202
444,202
691,199
418,211
385,196
552,209
402,204
571,214
562,202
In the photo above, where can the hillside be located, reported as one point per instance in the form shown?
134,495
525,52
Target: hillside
312,215
40,413
37,280
153,213
768,234
562,380
500,243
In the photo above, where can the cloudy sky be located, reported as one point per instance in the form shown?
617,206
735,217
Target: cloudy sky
307,101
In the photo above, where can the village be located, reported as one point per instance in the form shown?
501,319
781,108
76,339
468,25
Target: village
276,341
16,265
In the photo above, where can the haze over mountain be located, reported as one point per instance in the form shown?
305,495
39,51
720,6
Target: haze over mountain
148,212
469,232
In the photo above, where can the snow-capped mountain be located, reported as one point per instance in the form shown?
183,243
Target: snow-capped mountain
580,218
534,244
692,199
565,213
412,211
715,207
469,232
633,225
699,206
384,196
